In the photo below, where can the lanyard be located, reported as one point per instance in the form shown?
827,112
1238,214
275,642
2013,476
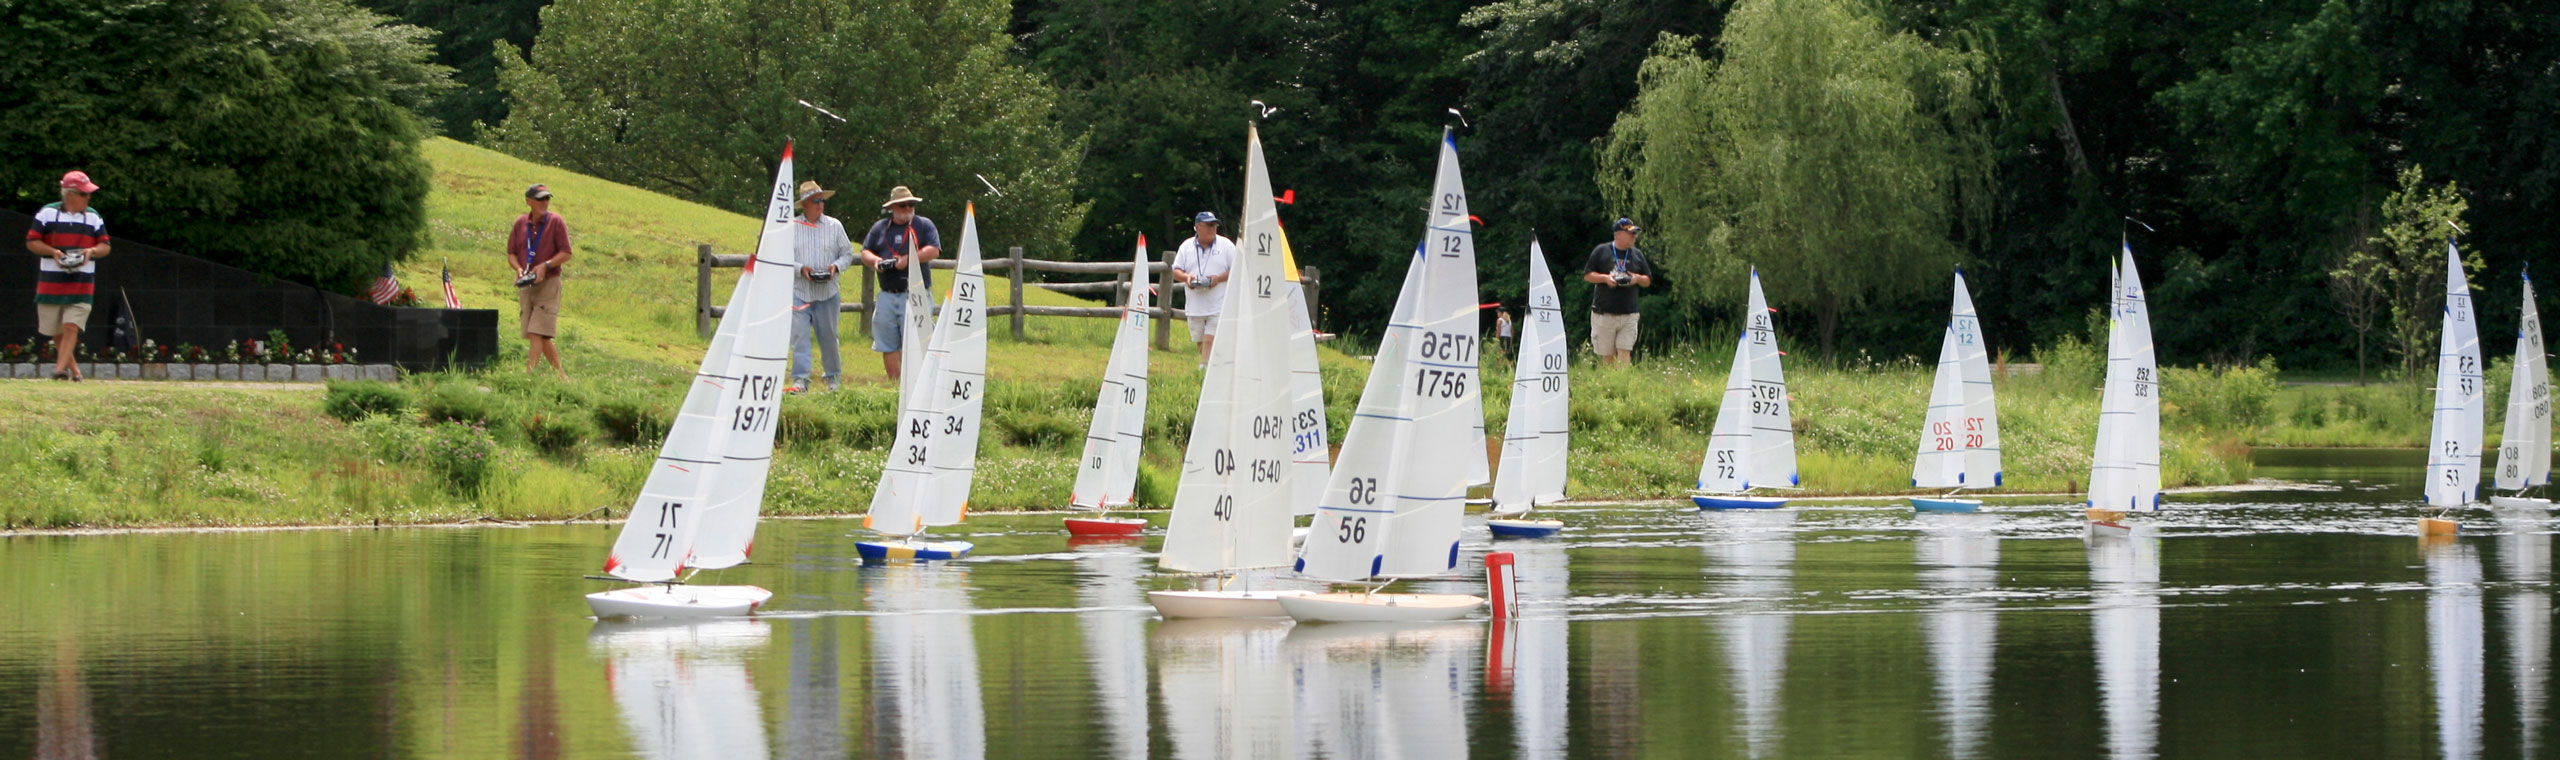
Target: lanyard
533,241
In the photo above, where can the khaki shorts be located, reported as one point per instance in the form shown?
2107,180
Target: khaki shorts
1203,328
50,317
1613,333
538,307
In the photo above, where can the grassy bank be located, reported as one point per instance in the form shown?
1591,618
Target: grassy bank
504,444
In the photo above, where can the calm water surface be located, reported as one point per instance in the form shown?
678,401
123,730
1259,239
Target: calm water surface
2302,621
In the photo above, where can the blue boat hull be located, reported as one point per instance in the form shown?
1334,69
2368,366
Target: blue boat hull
1737,502
880,551
1523,528
1926,504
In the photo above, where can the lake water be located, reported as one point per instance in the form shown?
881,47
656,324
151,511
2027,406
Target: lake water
2305,621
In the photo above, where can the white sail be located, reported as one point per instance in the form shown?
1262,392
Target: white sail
1108,470
729,393
2453,449
1347,538
684,691
1753,444
1415,409
1232,509
1534,435
2125,474
1310,438
760,355
1960,437
2524,451
916,333
2125,626
926,478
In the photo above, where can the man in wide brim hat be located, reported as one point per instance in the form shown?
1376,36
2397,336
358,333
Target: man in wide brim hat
905,241
821,249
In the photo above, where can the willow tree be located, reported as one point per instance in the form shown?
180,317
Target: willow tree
1840,157
694,98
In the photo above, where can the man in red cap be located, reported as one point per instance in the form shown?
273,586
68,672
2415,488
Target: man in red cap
70,237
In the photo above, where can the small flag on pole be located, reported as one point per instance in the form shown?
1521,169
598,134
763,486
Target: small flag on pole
387,289
451,301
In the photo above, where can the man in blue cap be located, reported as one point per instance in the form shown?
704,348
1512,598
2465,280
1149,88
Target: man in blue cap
1201,266
1619,268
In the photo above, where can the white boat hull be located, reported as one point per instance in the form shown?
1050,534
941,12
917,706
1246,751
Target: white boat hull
677,601
1220,604
1379,608
2519,502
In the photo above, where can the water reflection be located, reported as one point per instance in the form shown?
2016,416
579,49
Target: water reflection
1959,557
2125,621
1528,660
813,726
924,662
1751,559
2524,554
682,688
1115,639
1225,686
65,729
2454,639
1383,689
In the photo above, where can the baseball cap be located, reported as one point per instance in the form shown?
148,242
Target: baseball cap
1204,217
78,180
1625,224
539,192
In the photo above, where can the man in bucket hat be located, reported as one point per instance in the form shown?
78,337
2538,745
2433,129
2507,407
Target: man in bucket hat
536,249
822,251
68,238
901,244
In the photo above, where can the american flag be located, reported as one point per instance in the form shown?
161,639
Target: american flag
451,301
387,288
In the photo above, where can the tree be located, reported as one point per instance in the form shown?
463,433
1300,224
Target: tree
273,135
470,32
1825,150
695,99
2404,264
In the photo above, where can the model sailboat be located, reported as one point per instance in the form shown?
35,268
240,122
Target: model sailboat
2124,476
697,510
1108,472
1310,439
2524,452
927,477
2453,442
1753,445
1960,437
1396,499
1232,509
1534,437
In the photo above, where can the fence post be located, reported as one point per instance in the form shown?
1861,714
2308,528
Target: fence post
702,291
866,300
1164,310
1311,280
1119,290
1015,253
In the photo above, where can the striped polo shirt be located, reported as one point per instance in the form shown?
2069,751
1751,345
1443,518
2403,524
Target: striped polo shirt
65,230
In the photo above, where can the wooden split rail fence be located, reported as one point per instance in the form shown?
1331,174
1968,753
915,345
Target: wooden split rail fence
1115,290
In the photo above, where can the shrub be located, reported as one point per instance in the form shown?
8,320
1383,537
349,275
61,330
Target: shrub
555,435
461,454
458,402
354,400
630,420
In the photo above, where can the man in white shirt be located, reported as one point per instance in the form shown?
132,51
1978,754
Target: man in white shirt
1201,266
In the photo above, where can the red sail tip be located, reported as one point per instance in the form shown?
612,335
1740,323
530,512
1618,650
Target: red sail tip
1287,197
611,562
786,150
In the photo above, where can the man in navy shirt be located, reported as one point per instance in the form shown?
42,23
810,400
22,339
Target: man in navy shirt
1619,268
903,243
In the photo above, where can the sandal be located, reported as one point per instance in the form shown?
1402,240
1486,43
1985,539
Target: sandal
61,375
